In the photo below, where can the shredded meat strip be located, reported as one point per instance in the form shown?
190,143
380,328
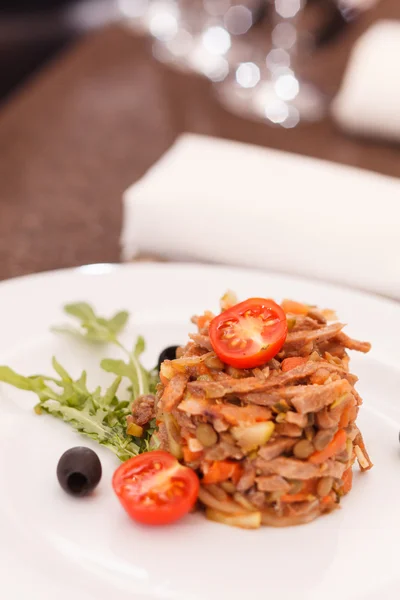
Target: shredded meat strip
276,448
333,468
201,340
316,397
294,417
303,323
289,430
272,483
247,479
173,392
298,339
219,389
144,409
305,398
351,344
292,468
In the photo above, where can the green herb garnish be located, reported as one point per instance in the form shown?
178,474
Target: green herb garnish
101,417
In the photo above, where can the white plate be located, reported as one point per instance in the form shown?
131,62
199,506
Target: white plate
54,546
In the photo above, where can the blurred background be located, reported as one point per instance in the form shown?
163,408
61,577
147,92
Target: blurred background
94,92
32,32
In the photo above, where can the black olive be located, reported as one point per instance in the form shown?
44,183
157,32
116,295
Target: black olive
79,471
167,354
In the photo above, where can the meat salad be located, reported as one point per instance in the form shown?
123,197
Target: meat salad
272,435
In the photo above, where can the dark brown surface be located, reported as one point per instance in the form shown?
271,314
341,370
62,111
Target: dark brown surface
94,121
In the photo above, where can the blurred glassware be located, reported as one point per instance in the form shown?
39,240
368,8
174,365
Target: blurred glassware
194,35
269,86
258,73
204,39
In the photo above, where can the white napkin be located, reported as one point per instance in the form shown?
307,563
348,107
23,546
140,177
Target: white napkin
214,200
368,102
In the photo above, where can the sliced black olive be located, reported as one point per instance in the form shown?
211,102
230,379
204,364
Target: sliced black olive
79,471
167,354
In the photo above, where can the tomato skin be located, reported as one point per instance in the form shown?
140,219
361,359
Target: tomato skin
249,334
155,489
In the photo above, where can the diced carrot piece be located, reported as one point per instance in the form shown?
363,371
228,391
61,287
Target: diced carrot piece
290,363
244,414
347,479
295,308
221,470
189,456
290,498
307,489
336,445
163,379
327,500
345,417
203,320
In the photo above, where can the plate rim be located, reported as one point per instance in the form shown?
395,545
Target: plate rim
102,268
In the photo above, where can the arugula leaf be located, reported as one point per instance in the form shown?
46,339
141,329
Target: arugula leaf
140,346
99,416
99,329
134,372
81,310
33,383
92,326
117,323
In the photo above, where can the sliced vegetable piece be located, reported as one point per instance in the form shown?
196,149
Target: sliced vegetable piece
225,506
134,429
292,498
290,363
190,456
294,308
347,479
334,447
228,300
245,520
236,415
362,455
206,434
172,431
362,460
307,492
221,470
251,438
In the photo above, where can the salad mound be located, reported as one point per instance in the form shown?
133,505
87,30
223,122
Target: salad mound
273,444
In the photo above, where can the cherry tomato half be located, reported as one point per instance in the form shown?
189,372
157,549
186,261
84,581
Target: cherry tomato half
249,334
155,489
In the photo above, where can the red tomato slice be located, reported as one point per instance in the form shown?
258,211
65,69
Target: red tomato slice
250,333
155,489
